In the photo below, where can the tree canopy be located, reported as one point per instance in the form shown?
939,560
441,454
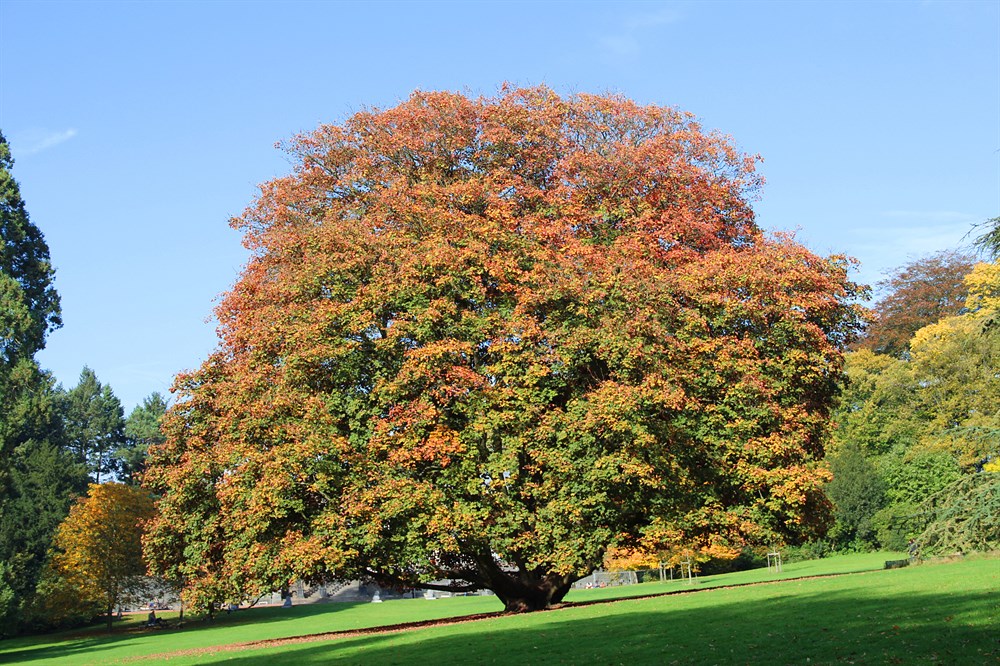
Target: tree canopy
481,341
30,304
95,426
142,430
928,428
98,551
915,295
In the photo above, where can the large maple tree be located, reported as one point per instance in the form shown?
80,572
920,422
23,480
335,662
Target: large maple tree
480,341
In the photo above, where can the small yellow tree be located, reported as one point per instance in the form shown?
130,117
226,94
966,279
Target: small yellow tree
98,547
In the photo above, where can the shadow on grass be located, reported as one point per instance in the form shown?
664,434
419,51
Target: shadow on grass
86,643
835,627
837,620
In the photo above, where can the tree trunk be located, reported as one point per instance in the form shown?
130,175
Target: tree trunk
111,615
523,591
525,596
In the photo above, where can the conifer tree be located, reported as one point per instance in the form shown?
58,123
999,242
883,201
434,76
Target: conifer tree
37,479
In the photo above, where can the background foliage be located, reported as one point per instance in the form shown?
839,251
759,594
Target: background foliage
52,440
924,426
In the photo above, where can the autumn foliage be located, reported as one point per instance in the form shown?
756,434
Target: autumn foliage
97,553
481,341
917,294
917,443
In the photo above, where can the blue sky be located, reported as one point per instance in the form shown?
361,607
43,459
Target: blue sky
139,129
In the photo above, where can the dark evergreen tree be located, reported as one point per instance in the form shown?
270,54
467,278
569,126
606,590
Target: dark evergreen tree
43,484
29,306
142,430
857,492
37,479
95,426
26,284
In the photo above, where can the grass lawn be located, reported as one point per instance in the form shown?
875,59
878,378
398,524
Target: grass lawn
935,613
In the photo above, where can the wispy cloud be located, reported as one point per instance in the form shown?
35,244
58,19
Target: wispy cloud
930,215
624,41
619,47
32,142
665,16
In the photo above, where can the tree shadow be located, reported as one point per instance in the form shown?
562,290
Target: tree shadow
66,648
776,624
827,628
95,639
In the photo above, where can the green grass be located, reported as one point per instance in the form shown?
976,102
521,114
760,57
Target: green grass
942,613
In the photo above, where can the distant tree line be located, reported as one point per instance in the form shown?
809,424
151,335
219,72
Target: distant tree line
916,448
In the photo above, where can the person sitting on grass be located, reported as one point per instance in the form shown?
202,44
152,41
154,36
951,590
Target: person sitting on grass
153,621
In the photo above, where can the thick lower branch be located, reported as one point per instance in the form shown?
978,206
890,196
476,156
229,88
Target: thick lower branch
400,582
521,590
